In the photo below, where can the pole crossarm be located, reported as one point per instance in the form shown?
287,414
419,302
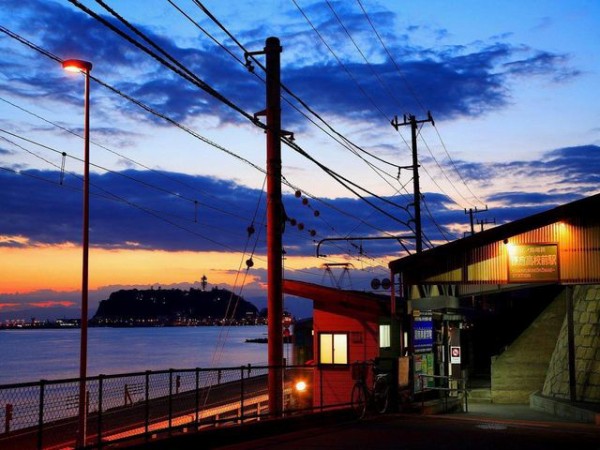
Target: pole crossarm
367,238
413,122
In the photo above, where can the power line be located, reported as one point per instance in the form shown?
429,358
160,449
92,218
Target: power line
201,84
137,102
175,66
412,93
348,144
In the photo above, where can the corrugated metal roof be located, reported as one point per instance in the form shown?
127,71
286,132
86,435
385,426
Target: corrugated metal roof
356,300
482,258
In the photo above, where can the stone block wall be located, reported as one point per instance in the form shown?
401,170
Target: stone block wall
586,318
521,369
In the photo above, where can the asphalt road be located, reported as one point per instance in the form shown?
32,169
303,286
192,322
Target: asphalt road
408,432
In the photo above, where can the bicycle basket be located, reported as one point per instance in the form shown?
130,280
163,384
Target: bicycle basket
359,371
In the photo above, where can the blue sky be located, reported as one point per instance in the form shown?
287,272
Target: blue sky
512,87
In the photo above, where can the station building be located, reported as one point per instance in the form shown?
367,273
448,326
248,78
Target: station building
554,253
546,267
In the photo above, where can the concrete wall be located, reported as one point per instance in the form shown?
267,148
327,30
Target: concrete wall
521,369
586,318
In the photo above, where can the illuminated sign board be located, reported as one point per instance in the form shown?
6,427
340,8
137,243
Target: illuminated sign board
423,332
533,263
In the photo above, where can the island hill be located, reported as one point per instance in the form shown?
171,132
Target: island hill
175,307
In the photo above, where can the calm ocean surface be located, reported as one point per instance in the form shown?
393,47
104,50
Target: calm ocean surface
32,355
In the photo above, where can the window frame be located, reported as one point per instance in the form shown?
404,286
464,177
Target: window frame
388,335
332,351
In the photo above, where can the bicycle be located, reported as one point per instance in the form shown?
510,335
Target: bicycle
376,398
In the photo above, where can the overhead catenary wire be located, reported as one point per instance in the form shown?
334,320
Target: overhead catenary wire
98,80
174,224
111,196
346,142
296,147
121,174
175,123
203,85
414,95
174,65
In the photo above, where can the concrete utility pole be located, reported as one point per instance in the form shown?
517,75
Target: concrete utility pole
484,222
413,122
274,228
471,212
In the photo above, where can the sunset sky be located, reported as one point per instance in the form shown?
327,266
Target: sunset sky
178,175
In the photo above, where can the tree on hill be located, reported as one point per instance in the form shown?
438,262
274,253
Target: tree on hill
172,305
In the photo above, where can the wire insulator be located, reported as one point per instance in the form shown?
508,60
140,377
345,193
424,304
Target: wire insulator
62,168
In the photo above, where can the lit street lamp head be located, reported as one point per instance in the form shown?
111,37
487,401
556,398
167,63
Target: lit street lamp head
77,65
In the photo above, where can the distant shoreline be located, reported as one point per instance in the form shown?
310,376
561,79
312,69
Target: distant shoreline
286,340
77,327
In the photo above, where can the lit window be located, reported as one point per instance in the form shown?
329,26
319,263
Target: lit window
333,348
385,340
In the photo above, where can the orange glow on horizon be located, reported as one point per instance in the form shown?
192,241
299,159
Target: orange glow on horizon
51,303
58,268
32,268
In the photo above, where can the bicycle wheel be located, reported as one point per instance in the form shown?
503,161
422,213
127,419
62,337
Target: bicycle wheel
358,400
381,395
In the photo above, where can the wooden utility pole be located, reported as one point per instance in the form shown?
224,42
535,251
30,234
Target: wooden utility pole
274,228
413,122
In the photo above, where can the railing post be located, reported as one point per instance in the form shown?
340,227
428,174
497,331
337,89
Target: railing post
41,415
421,384
321,386
8,413
241,418
466,395
170,399
447,393
197,395
100,399
147,405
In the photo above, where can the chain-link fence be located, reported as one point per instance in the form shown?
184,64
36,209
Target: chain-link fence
45,414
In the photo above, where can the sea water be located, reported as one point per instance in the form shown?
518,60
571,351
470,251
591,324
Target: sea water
51,354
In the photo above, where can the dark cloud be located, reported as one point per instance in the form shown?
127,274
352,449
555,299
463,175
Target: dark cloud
158,210
452,81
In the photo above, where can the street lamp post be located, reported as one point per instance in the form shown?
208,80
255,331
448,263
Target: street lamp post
76,65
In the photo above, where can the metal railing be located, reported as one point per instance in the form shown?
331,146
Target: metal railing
451,387
141,405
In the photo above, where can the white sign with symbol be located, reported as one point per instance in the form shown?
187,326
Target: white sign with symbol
454,355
